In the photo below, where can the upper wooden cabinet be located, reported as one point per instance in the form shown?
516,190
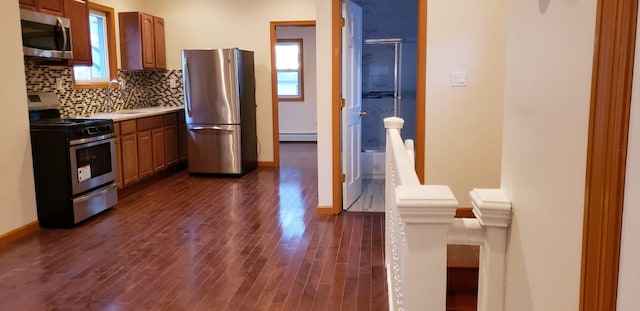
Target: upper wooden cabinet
159,45
28,5
78,12
55,7
142,44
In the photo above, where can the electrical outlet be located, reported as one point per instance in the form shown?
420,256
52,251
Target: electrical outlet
172,83
59,84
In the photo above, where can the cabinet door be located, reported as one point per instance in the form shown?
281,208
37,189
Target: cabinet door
171,142
55,7
148,47
145,154
158,149
158,39
78,12
118,142
28,5
118,167
129,159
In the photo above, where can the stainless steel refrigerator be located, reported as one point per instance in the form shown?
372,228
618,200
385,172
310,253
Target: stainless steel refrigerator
220,111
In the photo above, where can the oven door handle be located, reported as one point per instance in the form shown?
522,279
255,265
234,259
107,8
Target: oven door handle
90,139
95,193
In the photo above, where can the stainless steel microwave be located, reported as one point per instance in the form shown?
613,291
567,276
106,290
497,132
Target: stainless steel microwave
45,35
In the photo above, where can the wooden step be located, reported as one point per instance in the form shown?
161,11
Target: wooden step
462,277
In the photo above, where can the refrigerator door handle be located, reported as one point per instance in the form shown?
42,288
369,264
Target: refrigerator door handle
187,86
211,128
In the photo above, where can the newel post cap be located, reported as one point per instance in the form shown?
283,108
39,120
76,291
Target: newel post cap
393,123
491,207
427,204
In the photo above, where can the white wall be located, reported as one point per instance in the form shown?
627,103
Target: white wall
323,67
299,117
629,274
222,24
17,193
464,124
547,98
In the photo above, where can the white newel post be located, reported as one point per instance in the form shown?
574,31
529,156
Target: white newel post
390,124
426,212
492,208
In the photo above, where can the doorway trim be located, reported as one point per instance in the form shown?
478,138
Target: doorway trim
336,76
611,86
275,103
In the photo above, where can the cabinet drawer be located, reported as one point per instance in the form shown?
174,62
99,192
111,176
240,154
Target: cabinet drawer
149,123
127,127
170,118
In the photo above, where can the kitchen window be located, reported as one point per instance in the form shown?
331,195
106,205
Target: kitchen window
289,69
103,55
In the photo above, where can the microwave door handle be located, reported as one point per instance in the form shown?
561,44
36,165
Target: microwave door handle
64,36
187,86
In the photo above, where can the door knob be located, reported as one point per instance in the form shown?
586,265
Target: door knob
363,113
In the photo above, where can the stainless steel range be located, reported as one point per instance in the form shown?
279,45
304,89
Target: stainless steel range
74,164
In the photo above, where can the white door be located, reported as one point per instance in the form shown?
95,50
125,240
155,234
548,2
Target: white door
352,93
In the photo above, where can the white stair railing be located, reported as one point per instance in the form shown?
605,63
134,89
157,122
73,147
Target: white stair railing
419,223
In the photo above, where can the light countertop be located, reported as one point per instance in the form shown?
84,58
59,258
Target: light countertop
127,114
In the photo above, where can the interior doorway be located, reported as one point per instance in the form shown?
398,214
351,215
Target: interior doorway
293,83
390,70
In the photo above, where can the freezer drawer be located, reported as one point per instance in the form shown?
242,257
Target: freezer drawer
214,149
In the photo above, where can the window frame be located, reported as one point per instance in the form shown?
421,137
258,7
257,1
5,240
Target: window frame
111,47
288,98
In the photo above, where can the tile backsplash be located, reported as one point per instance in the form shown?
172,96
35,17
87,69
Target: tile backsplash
142,89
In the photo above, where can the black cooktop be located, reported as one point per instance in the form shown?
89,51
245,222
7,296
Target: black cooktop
50,121
63,122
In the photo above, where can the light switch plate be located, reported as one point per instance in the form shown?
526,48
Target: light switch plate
459,78
59,84
172,82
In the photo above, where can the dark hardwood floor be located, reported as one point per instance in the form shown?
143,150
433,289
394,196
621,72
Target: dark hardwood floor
196,243
204,243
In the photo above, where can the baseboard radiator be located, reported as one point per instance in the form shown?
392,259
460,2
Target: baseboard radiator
298,137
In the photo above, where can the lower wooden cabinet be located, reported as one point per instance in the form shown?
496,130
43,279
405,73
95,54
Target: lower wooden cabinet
172,144
129,159
118,143
145,154
159,158
146,146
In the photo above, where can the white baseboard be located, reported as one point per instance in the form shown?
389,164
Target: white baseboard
298,137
